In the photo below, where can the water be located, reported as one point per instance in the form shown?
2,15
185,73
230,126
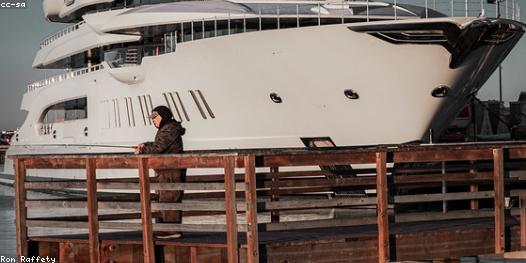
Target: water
7,222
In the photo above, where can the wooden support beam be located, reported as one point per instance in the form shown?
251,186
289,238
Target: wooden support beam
498,183
274,190
93,222
251,210
523,221
231,211
146,211
438,155
20,208
474,204
324,158
382,207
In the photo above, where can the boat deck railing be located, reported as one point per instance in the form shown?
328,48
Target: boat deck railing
510,10
48,40
67,75
274,187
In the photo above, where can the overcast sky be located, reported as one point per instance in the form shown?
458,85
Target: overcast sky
22,29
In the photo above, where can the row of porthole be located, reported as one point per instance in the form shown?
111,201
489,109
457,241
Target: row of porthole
439,92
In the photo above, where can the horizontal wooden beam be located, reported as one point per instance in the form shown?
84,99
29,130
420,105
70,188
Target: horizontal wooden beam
325,158
317,203
442,155
321,223
435,216
404,199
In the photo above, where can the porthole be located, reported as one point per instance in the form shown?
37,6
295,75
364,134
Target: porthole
275,98
54,134
440,91
69,2
85,131
351,94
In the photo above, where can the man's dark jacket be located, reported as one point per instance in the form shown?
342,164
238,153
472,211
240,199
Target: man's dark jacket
167,140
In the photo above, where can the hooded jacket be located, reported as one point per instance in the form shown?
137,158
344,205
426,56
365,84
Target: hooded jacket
169,135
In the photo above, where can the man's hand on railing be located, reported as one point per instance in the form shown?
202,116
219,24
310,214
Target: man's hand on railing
138,149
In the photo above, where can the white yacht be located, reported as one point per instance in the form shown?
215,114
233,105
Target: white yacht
255,73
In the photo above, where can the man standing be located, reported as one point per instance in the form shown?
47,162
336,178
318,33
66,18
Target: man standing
167,140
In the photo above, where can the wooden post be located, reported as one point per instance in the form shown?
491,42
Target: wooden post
146,212
523,220
498,184
382,207
474,204
20,206
274,187
93,221
251,211
231,209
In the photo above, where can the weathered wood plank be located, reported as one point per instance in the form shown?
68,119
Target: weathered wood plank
437,216
319,223
41,204
20,207
146,211
251,210
422,198
55,163
522,208
442,155
274,193
194,205
382,207
498,177
317,203
93,223
326,158
231,212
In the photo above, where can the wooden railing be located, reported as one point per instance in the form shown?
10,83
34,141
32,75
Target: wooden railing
286,182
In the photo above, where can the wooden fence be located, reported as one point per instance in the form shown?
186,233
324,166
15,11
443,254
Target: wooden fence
466,180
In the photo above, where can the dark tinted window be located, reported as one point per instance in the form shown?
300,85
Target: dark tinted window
66,111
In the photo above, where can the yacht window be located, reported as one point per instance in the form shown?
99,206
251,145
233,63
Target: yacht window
236,26
129,110
269,23
66,111
209,29
116,113
187,31
170,100
222,28
142,110
252,24
198,30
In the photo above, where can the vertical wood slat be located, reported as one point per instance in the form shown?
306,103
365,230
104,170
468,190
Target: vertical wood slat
193,255
93,221
474,204
251,211
231,209
523,221
498,184
274,188
382,207
20,206
146,212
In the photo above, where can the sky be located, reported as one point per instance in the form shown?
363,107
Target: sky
22,29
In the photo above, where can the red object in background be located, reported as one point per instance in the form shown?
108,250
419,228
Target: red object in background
5,138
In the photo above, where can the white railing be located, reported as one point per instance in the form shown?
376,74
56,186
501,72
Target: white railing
47,81
48,40
509,9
